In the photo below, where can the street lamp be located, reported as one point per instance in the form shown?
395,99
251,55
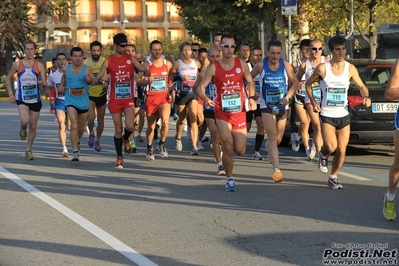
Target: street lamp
123,22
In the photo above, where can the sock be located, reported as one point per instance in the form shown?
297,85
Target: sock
23,127
126,135
333,177
118,146
230,177
276,168
258,141
219,164
161,143
390,197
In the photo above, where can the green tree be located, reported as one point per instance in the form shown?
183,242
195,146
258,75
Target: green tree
18,22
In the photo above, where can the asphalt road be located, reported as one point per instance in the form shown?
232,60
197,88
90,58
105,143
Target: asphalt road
174,211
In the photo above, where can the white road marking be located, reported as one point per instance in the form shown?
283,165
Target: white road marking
354,176
108,239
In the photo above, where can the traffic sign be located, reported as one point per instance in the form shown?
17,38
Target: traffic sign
289,7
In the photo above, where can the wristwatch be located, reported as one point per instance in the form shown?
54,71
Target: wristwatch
251,97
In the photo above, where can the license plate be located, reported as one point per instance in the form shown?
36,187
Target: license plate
384,107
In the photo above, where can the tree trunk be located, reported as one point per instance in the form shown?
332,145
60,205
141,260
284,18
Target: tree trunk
8,56
281,35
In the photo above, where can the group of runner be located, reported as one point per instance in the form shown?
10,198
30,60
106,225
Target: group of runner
214,88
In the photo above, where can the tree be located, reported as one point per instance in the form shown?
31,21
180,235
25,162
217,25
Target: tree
18,22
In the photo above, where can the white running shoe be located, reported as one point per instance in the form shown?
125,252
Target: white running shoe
295,144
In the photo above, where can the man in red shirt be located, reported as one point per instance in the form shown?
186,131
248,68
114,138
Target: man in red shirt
120,68
231,103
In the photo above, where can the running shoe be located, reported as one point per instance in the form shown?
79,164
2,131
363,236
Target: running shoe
139,138
22,133
75,156
230,185
295,144
64,153
200,146
119,163
150,155
389,209
185,127
221,171
136,126
133,146
175,116
312,150
97,146
333,183
128,149
163,152
277,175
204,139
178,145
322,164
29,155
257,156
211,143
90,141
194,151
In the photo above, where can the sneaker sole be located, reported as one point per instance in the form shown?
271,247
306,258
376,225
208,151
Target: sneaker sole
333,186
221,173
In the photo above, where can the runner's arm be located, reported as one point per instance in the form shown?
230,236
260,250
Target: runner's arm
354,75
392,90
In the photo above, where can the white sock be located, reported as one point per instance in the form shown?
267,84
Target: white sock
333,177
230,177
390,196
220,164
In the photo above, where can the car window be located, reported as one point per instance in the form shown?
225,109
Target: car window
372,76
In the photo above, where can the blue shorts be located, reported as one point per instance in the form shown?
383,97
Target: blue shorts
60,105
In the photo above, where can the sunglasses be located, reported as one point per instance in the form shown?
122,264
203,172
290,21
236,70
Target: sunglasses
123,45
228,45
194,50
317,48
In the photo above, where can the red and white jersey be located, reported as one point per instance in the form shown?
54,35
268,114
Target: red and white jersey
121,71
230,92
54,80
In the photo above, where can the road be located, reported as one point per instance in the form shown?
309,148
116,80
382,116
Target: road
174,211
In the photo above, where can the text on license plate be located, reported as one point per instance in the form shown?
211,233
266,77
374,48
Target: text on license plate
384,107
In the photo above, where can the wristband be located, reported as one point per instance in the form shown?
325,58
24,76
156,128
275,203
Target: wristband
251,97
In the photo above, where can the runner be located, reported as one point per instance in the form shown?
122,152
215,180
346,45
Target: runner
245,52
195,47
54,81
275,74
157,102
299,103
216,38
31,75
214,55
184,72
256,57
307,68
392,94
50,70
121,68
97,97
75,85
230,103
334,77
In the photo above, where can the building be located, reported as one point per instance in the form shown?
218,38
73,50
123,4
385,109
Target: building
102,19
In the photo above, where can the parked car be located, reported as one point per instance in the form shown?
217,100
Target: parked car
368,124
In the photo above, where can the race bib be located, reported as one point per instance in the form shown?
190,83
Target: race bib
189,84
317,93
123,90
273,97
76,91
159,84
57,85
29,92
231,102
257,86
336,97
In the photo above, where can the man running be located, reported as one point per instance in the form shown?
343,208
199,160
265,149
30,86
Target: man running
392,94
54,81
214,55
75,85
299,103
97,97
334,77
307,68
256,57
157,102
121,68
31,74
230,103
184,72
275,74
